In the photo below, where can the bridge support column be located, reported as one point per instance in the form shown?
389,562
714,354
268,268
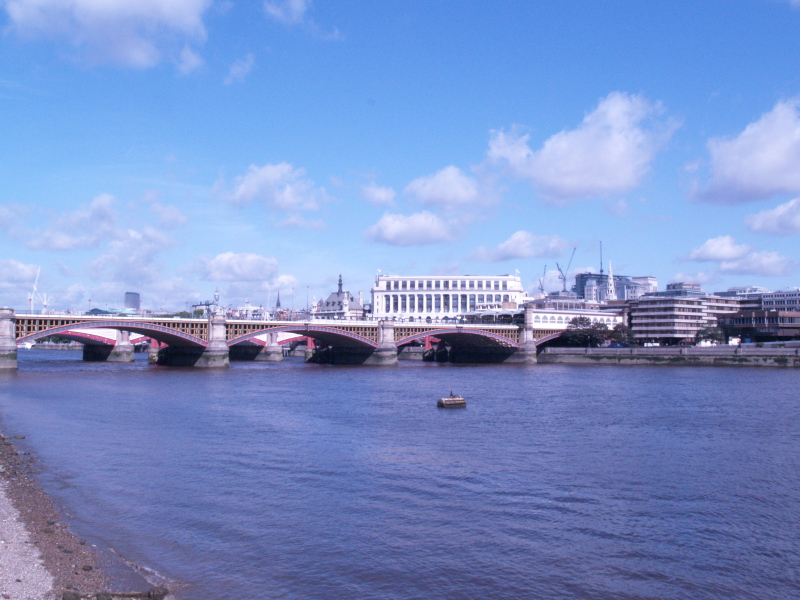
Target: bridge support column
526,353
216,353
123,349
386,352
8,339
272,352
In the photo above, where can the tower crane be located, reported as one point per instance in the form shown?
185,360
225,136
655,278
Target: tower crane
32,295
561,274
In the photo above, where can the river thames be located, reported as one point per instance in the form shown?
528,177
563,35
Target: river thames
300,481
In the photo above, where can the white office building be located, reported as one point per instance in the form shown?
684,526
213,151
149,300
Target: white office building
444,296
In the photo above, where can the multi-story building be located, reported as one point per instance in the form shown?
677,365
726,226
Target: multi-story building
762,325
666,319
444,296
781,300
677,314
594,287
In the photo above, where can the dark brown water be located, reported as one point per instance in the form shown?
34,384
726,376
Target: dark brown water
300,481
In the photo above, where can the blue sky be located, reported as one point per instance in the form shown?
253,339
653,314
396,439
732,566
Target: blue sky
172,147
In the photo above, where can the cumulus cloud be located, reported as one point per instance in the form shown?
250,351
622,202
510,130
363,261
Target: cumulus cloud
608,153
742,259
523,244
83,228
189,60
168,216
723,247
417,229
449,188
764,262
781,220
289,12
378,195
132,257
299,222
761,162
240,69
244,266
135,34
280,186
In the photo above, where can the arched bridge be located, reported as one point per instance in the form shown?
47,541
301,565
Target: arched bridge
198,341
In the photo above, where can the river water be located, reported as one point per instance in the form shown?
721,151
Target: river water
304,481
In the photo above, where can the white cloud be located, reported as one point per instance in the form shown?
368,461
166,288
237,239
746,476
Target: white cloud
240,69
609,153
289,12
12,272
168,216
723,247
523,244
417,229
295,220
765,262
189,61
135,34
378,195
85,227
280,185
761,162
240,267
781,220
448,188
132,257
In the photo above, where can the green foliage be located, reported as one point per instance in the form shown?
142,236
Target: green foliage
621,334
582,332
714,334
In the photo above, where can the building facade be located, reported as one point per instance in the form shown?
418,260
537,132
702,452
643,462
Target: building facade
595,287
782,300
339,305
443,296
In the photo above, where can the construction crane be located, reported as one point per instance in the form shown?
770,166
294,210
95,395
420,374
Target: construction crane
32,295
541,281
561,274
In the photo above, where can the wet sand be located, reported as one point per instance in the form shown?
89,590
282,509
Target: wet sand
40,558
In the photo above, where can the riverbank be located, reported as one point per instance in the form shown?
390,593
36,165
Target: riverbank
714,356
40,557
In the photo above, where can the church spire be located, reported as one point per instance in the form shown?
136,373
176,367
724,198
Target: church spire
340,284
611,288
278,302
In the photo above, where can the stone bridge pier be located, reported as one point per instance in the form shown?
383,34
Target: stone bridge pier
8,339
386,352
526,353
214,355
122,351
272,352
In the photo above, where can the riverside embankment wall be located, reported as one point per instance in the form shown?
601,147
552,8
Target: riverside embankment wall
733,356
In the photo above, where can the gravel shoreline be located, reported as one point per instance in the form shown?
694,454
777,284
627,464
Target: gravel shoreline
40,558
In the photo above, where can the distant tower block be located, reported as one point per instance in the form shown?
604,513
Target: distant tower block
133,301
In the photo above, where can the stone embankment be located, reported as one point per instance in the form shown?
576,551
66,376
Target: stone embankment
728,356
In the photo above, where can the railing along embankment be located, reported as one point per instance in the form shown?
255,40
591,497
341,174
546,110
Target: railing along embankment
742,356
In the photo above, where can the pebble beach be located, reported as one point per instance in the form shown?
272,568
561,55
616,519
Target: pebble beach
40,557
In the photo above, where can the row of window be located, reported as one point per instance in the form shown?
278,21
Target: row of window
445,285
567,319
439,302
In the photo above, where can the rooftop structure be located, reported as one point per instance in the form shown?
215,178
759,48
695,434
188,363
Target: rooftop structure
444,296
339,305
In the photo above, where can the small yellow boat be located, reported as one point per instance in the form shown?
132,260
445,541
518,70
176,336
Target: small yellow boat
452,401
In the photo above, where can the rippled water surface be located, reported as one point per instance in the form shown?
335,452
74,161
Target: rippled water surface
301,481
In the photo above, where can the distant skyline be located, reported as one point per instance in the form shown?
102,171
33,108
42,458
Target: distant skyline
172,147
